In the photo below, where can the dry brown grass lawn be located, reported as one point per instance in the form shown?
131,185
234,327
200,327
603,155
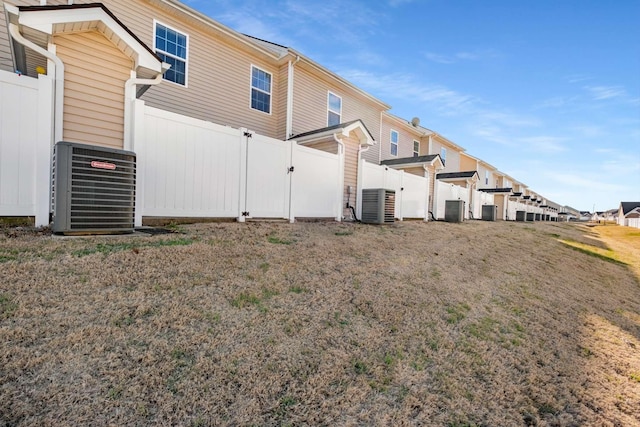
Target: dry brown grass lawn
473,324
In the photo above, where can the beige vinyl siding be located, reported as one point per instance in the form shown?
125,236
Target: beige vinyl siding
326,146
281,106
310,106
218,74
482,170
452,163
467,163
415,171
405,140
6,63
95,74
351,146
499,200
432,186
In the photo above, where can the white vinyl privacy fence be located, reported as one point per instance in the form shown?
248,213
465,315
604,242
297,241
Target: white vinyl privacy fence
25,146
412,191
446,191
192,168
479,199
632,222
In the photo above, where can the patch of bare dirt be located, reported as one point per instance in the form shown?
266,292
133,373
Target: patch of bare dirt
473,324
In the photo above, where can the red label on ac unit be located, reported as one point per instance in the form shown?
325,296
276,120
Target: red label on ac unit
103,165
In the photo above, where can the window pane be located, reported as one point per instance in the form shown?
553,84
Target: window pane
394,137
260,100
333,119
335,103
394,149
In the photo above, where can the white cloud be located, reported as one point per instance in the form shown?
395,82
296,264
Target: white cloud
544,144
406,86
605,92
460,56
578,78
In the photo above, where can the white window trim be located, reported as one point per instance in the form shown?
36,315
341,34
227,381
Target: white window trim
443,154
391,144
260,90
186,59
414,145
329,93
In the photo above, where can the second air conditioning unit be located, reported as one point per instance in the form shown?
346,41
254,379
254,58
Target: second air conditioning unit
378,206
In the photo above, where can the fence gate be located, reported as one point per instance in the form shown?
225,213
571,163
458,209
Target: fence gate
268,177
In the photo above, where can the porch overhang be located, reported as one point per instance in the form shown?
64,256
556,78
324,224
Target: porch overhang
408,162
341,130
497,190
467,176
74,18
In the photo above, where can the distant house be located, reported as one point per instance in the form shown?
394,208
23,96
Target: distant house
629,214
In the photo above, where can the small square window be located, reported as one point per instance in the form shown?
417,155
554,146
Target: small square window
260,90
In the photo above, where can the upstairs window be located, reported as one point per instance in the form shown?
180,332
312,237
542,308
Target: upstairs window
486,177
443,155
260,90
171,46
334,110
394,142
416,148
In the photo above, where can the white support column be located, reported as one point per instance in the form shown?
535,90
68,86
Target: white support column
139,144
44,150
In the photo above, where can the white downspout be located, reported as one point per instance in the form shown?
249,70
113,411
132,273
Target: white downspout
341,153
59,79
290,73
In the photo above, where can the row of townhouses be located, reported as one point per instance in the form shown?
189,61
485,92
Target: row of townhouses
223,124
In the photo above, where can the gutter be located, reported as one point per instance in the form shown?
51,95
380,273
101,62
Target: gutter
289,125
59,78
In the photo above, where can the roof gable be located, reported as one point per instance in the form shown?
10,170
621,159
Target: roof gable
342,129
628,206
88,17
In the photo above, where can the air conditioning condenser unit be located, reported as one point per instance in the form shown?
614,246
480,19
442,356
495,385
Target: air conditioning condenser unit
378,206
93,189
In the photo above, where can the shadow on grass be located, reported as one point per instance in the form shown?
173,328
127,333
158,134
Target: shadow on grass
593,251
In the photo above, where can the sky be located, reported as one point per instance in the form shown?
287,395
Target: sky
546,91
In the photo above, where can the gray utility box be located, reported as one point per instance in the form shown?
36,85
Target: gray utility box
454,210
521,215
94,189
378,206
489,212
